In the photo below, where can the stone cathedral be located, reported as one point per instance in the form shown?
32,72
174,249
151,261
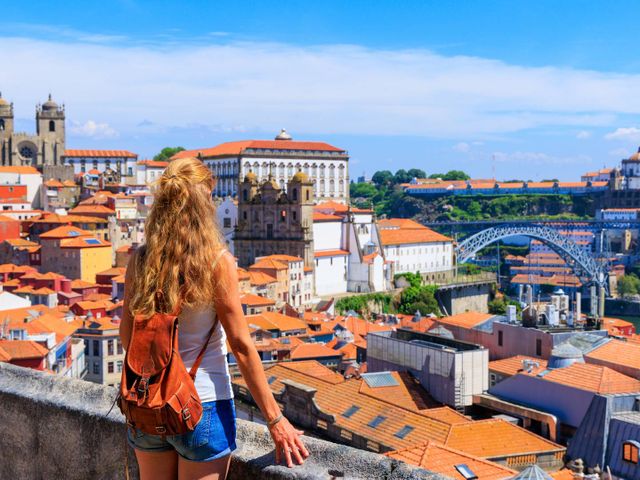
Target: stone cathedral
44,148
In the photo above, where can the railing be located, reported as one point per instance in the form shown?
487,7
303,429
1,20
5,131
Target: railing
55,427
466,279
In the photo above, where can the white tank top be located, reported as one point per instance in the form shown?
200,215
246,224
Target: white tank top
212,381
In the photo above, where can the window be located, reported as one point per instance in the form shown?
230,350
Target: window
295,194
373,446
1,124
307,196
346,434
52,126
348,413
466,472
119,366
283,215
377,421
244,215
295,215
120,349
110,347
500,339
271,379
110,367
96,348
245,195
630,451
86,347
269,230
226,222
538,347
96,368
404,431
321,424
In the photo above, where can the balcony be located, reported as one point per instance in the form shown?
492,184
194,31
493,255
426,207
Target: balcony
55,427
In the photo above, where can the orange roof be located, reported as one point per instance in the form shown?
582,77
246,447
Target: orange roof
276,321
99,153
496,438
285,258
19,169
113,271
89,209
21,349
442,460
360,326
403,223
41,276
592,378
513,365
4,218
467,319
66,219
243,274
83,242
492,438
324,217
255,300
12,268
153,163
78,283
52,182
307,351
410,236
65,231
238,148
331,206
268,263
89,305
330,253
616,352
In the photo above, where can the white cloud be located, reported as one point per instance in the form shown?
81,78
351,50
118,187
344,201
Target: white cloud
539,158
92,129
583,134
620,153
331,89
624,133
462,147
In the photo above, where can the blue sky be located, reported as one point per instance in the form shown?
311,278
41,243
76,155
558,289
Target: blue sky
534,89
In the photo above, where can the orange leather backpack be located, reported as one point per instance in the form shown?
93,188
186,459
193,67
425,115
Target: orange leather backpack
157,394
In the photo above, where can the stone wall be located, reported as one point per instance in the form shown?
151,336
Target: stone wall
53,427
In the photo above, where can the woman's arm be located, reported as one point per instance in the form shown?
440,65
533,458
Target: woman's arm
126,322
229,310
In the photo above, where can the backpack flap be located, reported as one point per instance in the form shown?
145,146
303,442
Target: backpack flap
151,344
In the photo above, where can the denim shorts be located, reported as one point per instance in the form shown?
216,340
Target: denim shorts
214,436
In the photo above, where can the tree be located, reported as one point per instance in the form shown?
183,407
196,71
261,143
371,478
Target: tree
401,176
628,285
365,190
382,178
451,175
167,152
416,173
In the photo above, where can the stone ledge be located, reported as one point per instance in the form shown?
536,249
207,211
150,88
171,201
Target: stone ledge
53,427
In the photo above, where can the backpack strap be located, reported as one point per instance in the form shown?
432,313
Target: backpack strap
196,364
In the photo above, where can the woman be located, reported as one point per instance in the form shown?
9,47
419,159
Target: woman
184,257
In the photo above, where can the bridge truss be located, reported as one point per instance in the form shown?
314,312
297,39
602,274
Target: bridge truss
583,263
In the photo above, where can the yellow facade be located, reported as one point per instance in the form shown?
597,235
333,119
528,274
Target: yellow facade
93,260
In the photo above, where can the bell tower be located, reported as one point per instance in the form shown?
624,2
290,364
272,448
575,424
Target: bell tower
6,130
51,132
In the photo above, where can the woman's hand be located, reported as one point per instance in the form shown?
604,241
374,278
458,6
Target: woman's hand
287,441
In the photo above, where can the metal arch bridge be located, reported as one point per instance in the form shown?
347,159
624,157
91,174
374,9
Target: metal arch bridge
565,247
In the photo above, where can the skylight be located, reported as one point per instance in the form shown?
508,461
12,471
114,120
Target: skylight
380,379
377,421
404,431
350,411
271,379
92,241
465,471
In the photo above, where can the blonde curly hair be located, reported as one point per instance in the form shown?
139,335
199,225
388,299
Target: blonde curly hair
183,243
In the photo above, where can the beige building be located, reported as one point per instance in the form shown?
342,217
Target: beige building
74,253
103,351
46,147
272,221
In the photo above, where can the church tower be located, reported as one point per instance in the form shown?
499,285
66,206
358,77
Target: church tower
6,129
50,131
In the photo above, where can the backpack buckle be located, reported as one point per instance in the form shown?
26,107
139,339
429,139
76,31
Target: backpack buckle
186,414
143,386
161,429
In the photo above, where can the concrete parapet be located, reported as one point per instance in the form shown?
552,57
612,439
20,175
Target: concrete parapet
53,427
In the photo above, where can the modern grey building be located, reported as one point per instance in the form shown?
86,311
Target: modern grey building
451,371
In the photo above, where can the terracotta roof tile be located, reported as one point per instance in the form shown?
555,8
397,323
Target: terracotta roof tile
99,153
410,236
237,148
330,253
21,349
466,320
440,459
255,300
616,352
309,351
66,231
513,365
276,321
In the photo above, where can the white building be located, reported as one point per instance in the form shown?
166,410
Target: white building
23,175
631,171
414,248
347,251
227,213
121,161
324,164
618,214
148,171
